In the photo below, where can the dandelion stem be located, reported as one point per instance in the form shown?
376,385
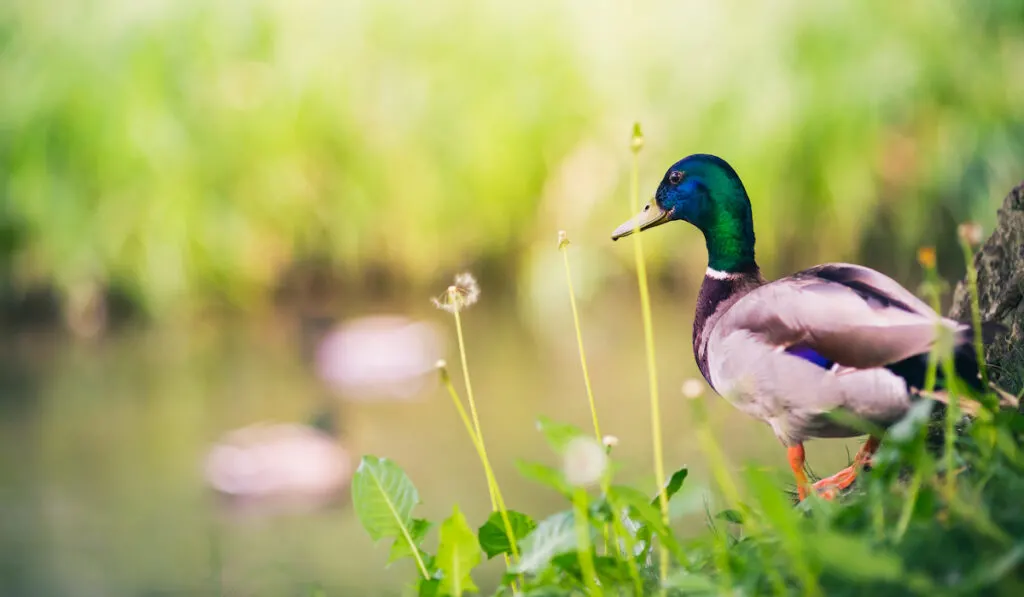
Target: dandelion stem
563,247
478,434
498,500
563,244
652,371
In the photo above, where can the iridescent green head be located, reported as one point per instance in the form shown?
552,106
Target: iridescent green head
705,191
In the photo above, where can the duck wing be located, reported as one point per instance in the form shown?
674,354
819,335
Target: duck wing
847,314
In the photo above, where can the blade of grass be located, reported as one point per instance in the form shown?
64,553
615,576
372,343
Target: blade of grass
926,258
972,289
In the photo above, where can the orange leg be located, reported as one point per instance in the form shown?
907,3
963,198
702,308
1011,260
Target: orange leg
796,462
830,487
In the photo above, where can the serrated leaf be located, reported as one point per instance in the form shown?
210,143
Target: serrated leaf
557,434
383,497
545,475
554,535
672,486
494,537
417,531
457,554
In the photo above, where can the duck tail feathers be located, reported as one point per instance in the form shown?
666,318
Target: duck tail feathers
990,330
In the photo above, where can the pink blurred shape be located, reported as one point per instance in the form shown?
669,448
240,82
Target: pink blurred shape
381,357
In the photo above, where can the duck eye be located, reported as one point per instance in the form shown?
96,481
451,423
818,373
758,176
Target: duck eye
675,177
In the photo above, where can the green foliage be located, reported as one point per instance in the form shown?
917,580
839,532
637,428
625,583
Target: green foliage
673,485
493,536
555,535
969,542
557,434
417,531
384,497
457,554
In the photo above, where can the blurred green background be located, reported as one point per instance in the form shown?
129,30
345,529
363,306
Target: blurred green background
192,193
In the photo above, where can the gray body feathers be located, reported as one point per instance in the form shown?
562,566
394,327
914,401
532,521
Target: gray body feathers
857,319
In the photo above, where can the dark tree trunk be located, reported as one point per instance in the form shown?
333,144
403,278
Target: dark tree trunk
1000,265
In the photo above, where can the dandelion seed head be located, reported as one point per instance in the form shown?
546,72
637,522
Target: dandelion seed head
584,461
970,232
462,294
610,441
563,239
693,388
441,364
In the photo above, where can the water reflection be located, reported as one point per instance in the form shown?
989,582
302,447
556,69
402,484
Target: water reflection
103,444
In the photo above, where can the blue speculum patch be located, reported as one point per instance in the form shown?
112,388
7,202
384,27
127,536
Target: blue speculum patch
809,354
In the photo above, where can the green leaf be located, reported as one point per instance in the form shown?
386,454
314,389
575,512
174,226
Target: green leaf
673,485
428,587
733,516
558,434
417,531
611,571
457,553
690,583
545,475
383,498
554,535
493,536
855,558
907,428
644,516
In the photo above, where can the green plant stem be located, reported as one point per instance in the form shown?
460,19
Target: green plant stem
952,414
583,546
563,247
498,500
630,544
972,289
478,433
931,289
946,359
579,340
720,470
652,370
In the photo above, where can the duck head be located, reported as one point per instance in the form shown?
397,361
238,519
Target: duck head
705,191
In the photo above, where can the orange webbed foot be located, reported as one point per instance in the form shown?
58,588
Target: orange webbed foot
829,487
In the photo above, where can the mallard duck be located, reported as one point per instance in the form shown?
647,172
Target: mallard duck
833,337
